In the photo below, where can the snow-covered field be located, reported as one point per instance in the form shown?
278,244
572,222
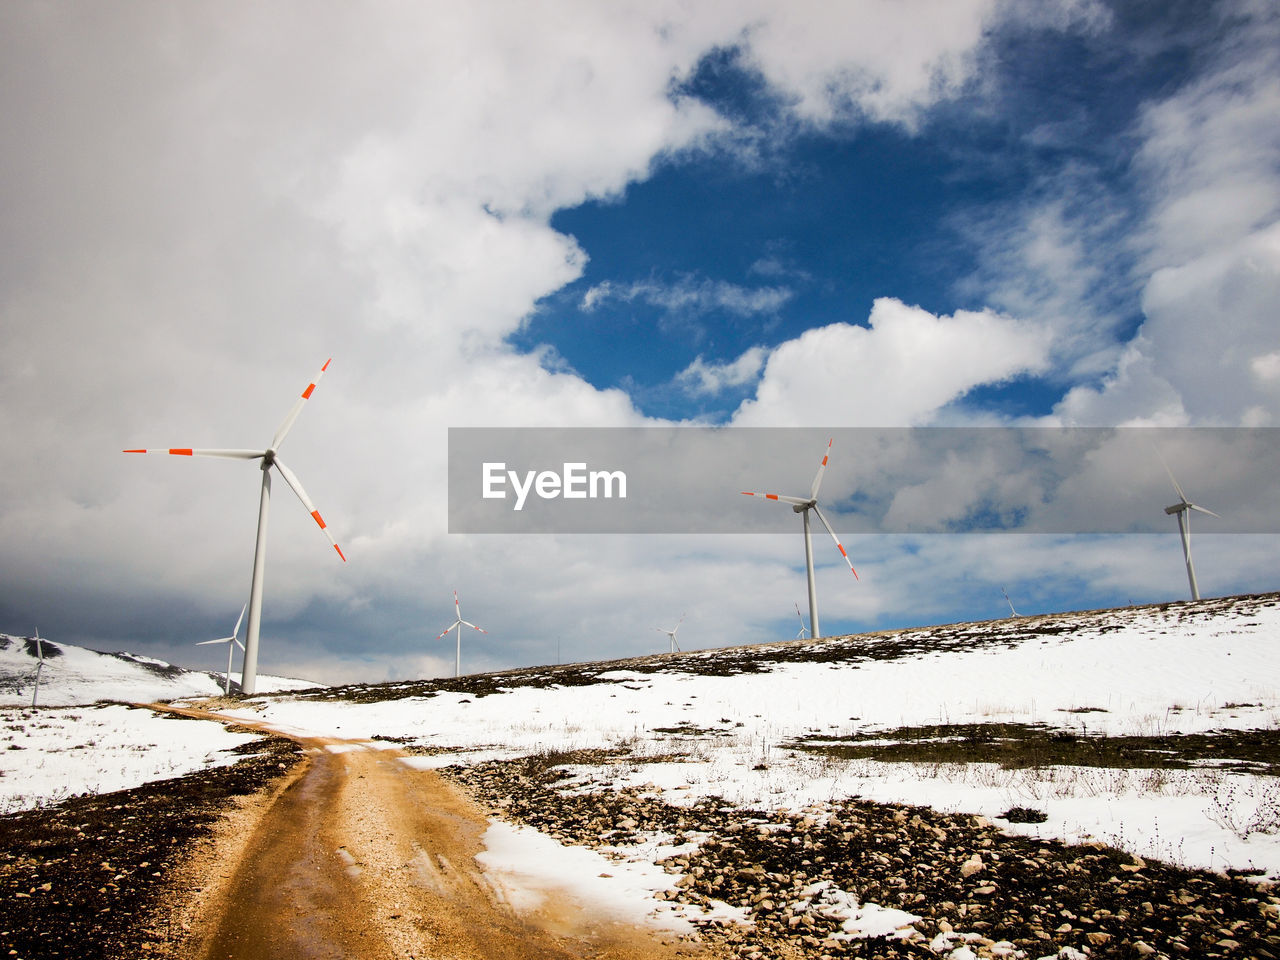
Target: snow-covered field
728,724
1144,672
73,675
72,743
47,755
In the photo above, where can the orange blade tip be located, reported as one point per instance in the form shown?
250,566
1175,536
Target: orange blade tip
340,553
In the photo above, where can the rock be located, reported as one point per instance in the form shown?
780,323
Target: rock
971,866
1143,949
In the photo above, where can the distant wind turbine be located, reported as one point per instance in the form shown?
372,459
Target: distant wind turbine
672,632
803,505
39,667
232,642
1182,510
1012,611
804,630
459,624
269,458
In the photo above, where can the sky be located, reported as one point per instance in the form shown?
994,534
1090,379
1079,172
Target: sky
567,214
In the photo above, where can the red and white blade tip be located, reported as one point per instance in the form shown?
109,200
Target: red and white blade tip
315,515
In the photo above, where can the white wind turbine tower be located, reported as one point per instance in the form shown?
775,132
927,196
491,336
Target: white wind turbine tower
672,632
1182,510
232,642
802,505
39,667
459,623
1012,612
269,458
804,630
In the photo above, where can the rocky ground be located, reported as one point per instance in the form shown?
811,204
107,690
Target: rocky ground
88,878
85,879
970,885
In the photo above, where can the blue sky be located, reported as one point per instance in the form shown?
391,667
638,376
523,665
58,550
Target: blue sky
934,212
714,254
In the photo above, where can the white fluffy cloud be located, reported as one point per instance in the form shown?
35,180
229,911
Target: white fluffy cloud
1209,250
200,203
898,371
705,378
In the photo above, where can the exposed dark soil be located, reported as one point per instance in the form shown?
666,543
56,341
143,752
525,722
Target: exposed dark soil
1032,895
84,879
1021,746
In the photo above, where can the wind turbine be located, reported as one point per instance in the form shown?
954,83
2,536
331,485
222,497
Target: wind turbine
1181,510
672,632
269,458
459,623
232,642
802,505
39,666
1012,611
804,630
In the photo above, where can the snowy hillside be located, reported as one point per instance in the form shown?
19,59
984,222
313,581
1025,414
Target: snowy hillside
905,716
763,785
74,675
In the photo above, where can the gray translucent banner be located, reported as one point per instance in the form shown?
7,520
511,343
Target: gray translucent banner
878,480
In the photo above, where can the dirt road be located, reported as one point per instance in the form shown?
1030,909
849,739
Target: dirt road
362,857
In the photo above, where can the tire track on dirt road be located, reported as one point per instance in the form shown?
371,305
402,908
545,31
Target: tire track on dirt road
362,857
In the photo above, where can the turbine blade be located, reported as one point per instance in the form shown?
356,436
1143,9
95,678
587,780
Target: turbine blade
798,501
457,608
236,632
291,479
205,452
468,623
292,415
1165,463
1196,506
447,629
822,468
219,640
238,643
839,546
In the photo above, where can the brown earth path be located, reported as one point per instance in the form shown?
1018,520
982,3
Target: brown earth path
362,857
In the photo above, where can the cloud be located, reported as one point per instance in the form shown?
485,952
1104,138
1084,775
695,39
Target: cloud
200,204
881,61
691,296
702,378
1208,247
898,371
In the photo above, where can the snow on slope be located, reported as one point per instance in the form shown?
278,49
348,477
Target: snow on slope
47,755
730,717
74,675
724,723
